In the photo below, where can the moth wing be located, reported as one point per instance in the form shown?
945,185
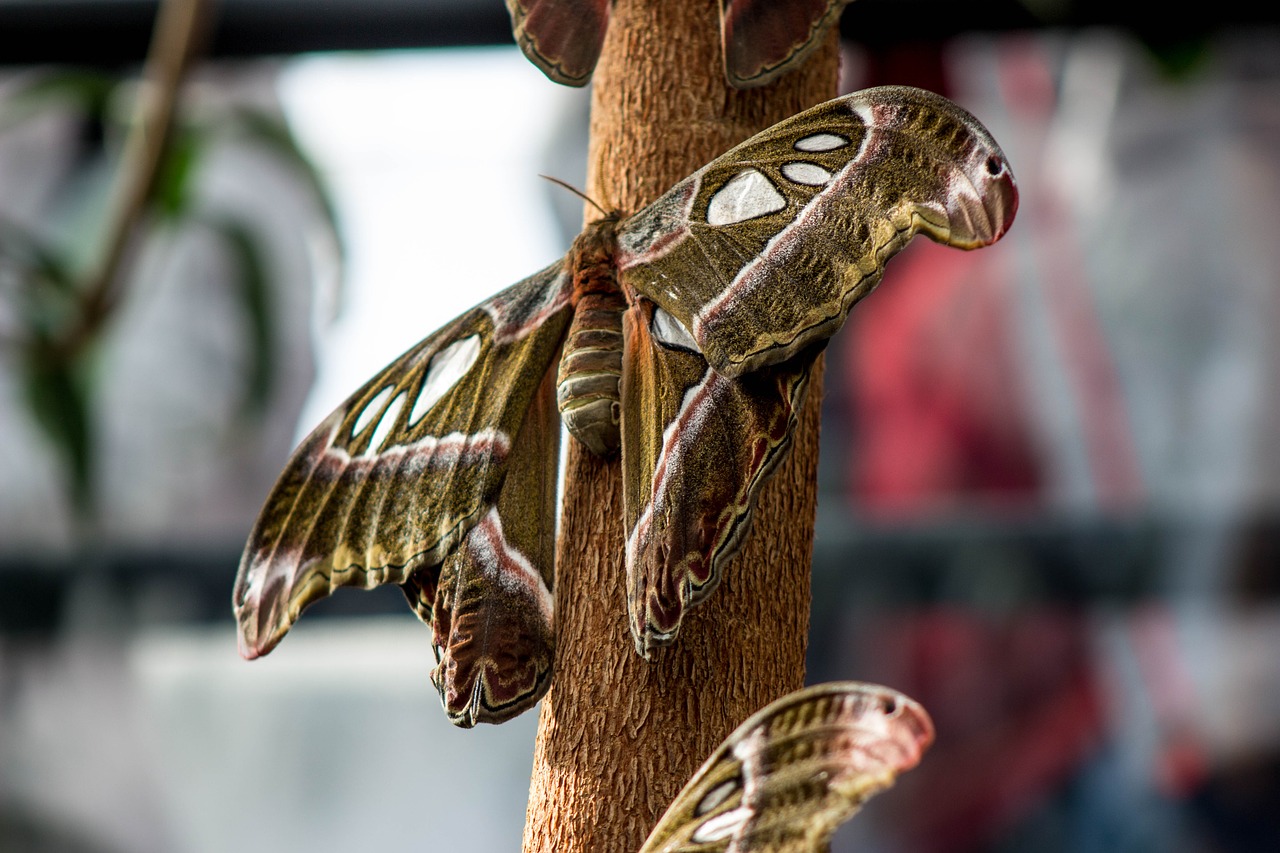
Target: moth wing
391,482
762,252
792,773
491,608
764,39
562,37
696,448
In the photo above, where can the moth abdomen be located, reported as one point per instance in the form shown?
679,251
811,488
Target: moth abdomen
588,386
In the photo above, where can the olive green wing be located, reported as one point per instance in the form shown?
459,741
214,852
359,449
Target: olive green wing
761,253
792,773
433,458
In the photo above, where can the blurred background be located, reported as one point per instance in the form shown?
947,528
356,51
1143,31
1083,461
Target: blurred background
1050,475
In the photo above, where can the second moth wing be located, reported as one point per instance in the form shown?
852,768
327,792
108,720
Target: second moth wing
433,458
764,39
563,38
762,252
786,779
696,447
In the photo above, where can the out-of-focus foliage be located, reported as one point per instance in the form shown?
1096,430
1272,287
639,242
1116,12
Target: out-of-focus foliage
56,313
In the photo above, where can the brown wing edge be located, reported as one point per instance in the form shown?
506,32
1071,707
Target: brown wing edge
563,38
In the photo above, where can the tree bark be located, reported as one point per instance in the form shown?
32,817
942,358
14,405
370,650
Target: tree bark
619,736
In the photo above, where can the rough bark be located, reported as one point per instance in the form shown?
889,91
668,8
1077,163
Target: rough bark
618,736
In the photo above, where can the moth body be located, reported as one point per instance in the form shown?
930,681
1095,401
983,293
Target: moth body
587,387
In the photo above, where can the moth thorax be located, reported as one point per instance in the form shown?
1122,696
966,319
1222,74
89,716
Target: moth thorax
587,388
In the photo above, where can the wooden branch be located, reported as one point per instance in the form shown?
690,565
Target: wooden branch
619,736
177,28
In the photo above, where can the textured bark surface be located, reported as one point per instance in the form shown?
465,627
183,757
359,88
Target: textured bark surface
619,736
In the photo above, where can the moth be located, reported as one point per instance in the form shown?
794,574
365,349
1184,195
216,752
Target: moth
762,39
792,773
681,336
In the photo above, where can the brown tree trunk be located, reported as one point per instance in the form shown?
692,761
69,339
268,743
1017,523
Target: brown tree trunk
619,736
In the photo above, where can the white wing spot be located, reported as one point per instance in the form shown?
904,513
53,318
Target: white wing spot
447,367
716,796
371,410
721,826
385,425
671,332
747,195
809,174
821,142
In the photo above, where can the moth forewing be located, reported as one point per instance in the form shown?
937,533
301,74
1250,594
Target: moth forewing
791,774
384,488
762,252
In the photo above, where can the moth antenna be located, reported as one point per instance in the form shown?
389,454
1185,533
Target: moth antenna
579,193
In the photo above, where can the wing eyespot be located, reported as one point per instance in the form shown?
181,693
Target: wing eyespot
446,369
372,409
717,796
386,424
808,174
721,826
671,333
816,142
747,195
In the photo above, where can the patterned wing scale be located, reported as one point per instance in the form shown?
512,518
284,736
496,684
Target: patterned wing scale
762,252
391,482
696,447
490,611
561,37
791,774
764,39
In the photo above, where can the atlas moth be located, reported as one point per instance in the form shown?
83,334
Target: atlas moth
681,336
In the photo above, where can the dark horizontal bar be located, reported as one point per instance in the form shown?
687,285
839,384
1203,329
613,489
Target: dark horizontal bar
116,32
1049,560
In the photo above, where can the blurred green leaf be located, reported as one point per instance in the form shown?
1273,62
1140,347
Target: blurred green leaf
87,91
171,196
254,291
58,395
1181,59
40,264
41,290
273,134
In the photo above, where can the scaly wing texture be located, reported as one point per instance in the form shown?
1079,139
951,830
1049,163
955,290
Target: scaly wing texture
696,447
491,609
761,253
561,37
395,479
791,774
764,39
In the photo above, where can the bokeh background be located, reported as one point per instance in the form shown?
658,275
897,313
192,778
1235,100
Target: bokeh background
1049,486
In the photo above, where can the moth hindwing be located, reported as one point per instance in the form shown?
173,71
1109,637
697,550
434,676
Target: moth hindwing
792,773
736,277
